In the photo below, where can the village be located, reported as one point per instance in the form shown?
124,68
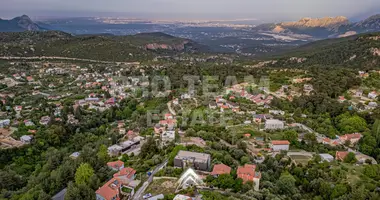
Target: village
249,129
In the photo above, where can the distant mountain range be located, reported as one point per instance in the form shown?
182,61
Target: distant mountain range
328,27
143,46
262,40
18,24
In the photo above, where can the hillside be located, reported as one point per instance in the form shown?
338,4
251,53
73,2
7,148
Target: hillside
327,27
98,47
355,51
17,24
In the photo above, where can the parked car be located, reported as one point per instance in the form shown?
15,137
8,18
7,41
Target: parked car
147,196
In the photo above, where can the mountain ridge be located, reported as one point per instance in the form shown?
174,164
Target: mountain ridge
20,23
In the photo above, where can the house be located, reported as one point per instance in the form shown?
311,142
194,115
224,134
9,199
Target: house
352,138
26,139
28,122
114,150
326,141
359,93
341,99
109,191
220,169
18,108
122,131
157,197
168,116
248,173
116,165
280,145
198,161
308,88
372,104
182,197
212,105
60,195
362,158
4,123
45,120
340,155
326,157
167,137
274,124
158,128
277,112
74,155
126,175
372,95
175,101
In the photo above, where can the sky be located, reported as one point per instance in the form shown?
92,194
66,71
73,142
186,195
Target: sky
274,10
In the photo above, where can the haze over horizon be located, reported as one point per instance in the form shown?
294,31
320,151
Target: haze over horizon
269,10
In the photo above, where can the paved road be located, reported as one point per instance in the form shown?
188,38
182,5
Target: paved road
140,192
171,110
61,58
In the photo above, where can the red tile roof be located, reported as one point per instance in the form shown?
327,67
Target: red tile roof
326,140
280,142
247,173
128,172
340,155
221,169
110,189
351,136
115,164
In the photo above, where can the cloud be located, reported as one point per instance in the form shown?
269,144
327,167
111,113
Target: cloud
280,9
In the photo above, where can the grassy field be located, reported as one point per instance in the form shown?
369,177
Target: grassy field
162,186
300,159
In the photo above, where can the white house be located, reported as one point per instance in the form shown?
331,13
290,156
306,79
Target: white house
26,139
277,112
326,157
273,124
167,137
4,123
372,95
114,150
280,145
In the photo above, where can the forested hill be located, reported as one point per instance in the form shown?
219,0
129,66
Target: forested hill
97,47
359,51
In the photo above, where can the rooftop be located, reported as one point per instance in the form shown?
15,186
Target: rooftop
185,155
221,169
280,142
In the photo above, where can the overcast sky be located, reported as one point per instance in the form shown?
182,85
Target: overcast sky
185,9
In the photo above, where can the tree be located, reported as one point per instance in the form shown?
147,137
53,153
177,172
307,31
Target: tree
83,174
286,184
338,191
224,181
350,158
376,130
103,154
351,124
310,138
244,160
149,148
291,136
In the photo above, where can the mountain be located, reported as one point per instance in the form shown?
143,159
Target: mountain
17,24
330,23
98,47
360,51
327,27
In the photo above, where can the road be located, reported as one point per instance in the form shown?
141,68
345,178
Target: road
62,58
171,110
140,192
